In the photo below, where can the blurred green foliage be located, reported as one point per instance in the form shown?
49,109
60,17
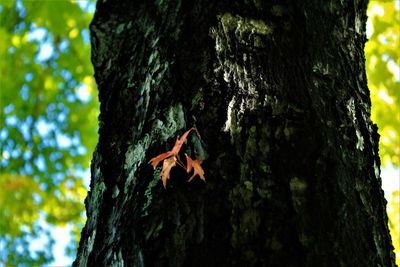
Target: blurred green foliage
382,55
383,72
48,118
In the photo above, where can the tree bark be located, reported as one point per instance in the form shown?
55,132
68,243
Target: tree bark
278,92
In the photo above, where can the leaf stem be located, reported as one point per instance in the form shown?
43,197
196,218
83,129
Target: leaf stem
180,163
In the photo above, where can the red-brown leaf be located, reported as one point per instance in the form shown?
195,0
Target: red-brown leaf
167,166
179,142
154,161
170,160
194,164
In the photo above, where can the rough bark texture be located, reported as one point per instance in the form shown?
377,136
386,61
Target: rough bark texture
278,92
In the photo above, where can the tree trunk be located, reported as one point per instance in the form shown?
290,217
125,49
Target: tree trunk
278,94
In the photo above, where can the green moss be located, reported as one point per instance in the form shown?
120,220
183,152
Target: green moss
99,190
172,125
148,193
250,221
278,132
175,121
117,259
251,144
199,150
120,28
265,168
251,148
244,25
154,58
115,191
259,27
241,196
304,240
135,155
286,131
297,185
248,185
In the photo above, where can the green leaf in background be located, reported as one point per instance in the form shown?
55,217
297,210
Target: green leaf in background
382,55
383,72
48,118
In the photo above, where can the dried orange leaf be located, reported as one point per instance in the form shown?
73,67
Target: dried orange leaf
179,142
154,161
167,166
170,159
194,164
